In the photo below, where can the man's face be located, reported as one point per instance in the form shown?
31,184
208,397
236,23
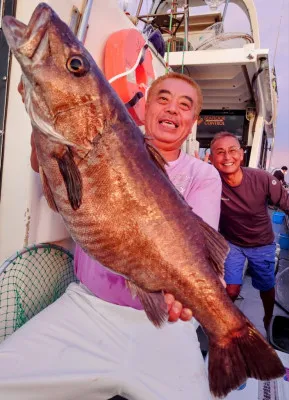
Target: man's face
226,155
170,113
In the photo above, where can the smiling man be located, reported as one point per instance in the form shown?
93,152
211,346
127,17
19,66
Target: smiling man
173,105
245,221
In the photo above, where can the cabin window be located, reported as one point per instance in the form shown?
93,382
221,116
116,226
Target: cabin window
211,122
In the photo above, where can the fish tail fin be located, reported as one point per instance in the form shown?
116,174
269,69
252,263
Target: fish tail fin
247,355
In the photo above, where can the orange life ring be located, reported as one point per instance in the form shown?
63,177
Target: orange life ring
121,53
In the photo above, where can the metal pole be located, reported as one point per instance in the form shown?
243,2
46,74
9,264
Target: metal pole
151,7
84,21
271,154
1,12
139,8
225,10
174,10
187,14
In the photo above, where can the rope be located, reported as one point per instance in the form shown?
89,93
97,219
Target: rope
125,73
278,34
169,41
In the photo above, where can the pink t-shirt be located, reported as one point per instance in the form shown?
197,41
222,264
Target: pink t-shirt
200,184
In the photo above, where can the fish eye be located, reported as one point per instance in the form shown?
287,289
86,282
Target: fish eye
77,65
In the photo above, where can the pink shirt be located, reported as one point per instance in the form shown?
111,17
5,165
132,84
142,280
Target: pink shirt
200,184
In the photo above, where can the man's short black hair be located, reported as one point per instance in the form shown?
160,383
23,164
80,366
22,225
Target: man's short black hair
221,135
284,168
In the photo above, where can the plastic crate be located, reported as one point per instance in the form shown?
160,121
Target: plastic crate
278,217
284,241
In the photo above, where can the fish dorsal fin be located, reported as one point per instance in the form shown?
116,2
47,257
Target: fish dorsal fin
47,191
217,246
155,155
71,177
153,303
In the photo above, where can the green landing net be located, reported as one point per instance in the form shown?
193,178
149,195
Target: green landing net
30,281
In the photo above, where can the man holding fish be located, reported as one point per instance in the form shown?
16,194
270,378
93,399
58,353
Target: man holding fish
110,185
172,107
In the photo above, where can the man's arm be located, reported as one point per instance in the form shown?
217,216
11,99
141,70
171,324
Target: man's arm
279,175
278,194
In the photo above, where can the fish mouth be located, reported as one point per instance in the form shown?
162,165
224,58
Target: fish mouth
24,40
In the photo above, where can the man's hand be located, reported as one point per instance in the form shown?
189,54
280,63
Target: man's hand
176,310
206,158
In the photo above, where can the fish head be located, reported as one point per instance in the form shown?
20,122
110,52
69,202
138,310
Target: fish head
63,89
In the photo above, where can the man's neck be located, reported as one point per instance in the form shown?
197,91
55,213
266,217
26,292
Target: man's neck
233,179
170,155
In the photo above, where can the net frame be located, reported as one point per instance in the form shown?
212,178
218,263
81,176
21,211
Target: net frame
30,280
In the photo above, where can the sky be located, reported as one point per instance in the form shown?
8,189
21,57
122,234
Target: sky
268,17
273,16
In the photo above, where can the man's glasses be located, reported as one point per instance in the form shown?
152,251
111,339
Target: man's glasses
233,151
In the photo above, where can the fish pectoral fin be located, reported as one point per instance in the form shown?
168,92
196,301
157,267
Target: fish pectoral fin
155,155
47,191
153,303
71,177
217,246
246,354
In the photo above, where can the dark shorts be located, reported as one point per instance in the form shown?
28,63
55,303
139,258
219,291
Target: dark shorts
261,265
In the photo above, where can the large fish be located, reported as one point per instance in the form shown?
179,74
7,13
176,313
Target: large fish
117,202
